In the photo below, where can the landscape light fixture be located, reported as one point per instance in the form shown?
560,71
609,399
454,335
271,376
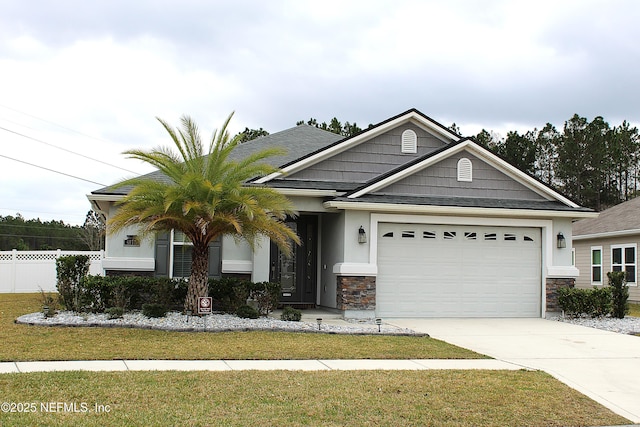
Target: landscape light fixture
362,236
319,320
379,323
562,242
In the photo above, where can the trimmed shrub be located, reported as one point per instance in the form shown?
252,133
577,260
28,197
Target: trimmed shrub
291,314
591,302
266,295
70,271
228,293
247,312
620,293
154,310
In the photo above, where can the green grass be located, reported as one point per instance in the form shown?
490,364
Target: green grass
23,342
634,310
332,398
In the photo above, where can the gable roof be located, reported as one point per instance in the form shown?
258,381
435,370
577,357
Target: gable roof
297,141
414,116
308,146
620,219
465,144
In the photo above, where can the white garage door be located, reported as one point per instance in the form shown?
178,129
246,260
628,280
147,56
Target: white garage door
458,271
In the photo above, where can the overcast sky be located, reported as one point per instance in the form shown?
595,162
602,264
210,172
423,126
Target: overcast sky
82,81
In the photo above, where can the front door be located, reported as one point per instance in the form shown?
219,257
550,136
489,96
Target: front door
297,273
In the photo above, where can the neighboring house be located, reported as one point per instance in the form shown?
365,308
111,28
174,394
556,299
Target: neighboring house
406,219
609,243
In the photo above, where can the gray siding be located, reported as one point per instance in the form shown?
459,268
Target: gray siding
370,158
441,179
583,260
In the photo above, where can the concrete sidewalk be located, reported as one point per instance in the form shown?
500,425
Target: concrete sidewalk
600,364
258,365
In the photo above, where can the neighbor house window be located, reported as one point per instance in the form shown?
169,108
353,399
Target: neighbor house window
596,265
409,142
182,249
623,258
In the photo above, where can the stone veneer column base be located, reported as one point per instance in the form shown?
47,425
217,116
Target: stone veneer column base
553,284
356,296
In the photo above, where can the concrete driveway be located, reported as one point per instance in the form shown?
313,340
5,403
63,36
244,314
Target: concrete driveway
602,365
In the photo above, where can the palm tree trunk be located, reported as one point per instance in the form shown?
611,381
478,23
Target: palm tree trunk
199,279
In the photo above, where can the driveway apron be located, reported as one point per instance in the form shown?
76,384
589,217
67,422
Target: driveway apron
602,365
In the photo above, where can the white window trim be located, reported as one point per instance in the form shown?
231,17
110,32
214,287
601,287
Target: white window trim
596,248
173,244
635,259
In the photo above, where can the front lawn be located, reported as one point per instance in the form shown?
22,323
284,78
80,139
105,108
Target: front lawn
634,309
23,343
328,398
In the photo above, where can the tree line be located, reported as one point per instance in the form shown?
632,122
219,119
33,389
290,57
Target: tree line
22,234
591,162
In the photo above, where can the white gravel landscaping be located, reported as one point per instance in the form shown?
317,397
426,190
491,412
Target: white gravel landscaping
225,322
174,321
628,325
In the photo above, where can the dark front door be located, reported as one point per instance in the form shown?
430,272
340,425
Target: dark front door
297,273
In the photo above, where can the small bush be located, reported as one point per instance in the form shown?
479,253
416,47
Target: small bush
291,314
70,271
266,295
247,312
619,294
590,302
154,310
49,300
229,293
115,312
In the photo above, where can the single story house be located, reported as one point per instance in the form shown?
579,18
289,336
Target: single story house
609,243
405,219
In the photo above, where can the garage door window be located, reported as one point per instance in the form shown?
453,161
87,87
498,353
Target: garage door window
596,265
428,234
623,258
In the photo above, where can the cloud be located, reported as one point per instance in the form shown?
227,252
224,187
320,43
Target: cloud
92,76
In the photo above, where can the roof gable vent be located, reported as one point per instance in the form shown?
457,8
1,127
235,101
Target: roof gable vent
409,142
465,170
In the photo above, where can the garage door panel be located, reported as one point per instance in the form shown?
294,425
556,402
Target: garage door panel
429,270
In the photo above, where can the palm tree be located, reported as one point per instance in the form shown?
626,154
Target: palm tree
203,195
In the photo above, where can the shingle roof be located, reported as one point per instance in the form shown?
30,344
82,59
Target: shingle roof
467,202
622,217
297,141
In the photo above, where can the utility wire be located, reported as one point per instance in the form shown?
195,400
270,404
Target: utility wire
51,170
52,123
64,149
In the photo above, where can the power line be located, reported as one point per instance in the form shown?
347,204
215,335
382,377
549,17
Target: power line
51,123
52,170
65,149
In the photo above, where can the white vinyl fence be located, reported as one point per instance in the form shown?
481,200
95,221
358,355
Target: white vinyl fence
31,271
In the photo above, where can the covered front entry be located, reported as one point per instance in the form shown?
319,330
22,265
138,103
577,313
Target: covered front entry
432,270
298,273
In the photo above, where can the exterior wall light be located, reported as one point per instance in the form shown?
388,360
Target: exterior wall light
362,236
562,242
